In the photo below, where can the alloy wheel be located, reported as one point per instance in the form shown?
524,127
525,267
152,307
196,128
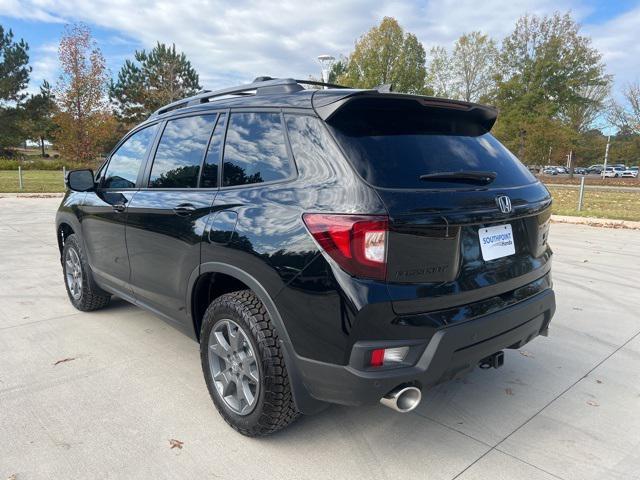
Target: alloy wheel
73,273
234,366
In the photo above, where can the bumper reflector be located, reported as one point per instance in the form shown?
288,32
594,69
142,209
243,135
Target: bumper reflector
388,356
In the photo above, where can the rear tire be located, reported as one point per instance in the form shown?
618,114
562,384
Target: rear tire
237,331
83,291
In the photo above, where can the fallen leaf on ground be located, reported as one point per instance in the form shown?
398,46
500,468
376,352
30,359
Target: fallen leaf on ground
13,476
598,381
508,391
517,381
524,353
585,261
593,403
64,360
577,308
176,444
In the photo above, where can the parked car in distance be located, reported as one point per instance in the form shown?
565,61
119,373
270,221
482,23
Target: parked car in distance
613,172
550,171
322,246
630,172
580,171
595,169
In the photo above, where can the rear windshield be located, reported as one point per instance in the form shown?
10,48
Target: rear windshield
393,151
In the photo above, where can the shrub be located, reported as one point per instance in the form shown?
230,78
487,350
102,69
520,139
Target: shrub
45,164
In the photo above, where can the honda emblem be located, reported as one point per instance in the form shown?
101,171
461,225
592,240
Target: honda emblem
504,203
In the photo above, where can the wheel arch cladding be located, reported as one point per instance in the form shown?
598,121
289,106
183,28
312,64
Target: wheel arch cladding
303,400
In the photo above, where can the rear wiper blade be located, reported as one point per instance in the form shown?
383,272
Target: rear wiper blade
467,176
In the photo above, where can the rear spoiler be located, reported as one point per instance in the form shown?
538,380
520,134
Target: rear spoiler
327,106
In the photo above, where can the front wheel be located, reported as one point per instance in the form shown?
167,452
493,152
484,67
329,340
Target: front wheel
83,292
244,367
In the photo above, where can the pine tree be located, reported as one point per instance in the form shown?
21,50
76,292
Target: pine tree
154,79
14,77
39,110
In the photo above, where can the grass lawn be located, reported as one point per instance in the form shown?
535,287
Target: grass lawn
38,181
597,203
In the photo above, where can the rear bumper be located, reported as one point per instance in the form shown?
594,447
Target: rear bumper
450,352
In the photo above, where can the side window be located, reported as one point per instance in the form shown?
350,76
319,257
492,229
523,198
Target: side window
255,151
210,172
180,152
125,163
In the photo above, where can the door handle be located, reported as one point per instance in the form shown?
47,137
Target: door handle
119,207
184,209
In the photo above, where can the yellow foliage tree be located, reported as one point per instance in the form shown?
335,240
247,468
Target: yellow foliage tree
85,124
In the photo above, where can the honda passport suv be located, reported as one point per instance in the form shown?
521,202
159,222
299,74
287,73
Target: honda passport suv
322,246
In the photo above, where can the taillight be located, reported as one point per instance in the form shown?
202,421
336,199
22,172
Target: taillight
358,243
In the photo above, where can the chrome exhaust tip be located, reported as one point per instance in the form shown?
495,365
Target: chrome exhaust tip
402,399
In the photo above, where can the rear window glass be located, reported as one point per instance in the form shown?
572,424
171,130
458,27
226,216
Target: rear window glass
255,151
181,151
394,149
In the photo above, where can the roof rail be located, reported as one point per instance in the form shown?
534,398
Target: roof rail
262,85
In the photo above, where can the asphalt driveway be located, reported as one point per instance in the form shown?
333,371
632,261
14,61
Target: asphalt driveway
107,394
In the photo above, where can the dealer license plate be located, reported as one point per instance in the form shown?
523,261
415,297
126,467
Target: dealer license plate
496,242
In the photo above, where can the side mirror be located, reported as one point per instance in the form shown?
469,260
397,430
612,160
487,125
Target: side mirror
80,180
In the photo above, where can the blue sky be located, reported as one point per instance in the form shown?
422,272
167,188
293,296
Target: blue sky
231,42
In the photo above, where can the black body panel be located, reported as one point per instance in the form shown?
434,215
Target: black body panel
103,221
163,241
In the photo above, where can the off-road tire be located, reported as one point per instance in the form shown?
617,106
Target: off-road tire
92,297
274,408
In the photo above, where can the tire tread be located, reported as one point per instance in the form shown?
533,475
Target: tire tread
279,408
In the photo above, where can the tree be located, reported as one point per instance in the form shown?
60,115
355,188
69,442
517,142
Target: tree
473,61
338,69
581,115
154,79
84,120
39,111
14,69
14,77
626,116
387,55
440,78
468,72
546,69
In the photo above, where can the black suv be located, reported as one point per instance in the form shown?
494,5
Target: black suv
336,245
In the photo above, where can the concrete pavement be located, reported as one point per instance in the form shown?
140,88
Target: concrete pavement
566,406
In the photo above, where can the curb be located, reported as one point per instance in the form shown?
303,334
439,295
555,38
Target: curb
32,195
596,222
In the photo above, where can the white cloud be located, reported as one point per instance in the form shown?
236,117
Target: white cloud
45,66
617,40
229,42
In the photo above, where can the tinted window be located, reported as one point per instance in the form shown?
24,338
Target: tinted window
255,150
313,149
210,173
124,165
394,148
180,152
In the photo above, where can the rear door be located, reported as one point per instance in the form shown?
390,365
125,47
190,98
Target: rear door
468,221
167,217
